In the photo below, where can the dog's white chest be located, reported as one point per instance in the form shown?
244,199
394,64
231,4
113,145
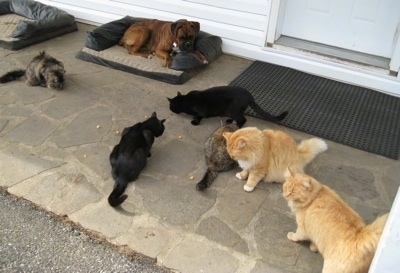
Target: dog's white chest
175,48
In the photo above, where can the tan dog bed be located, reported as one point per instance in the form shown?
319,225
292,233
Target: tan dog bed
26,22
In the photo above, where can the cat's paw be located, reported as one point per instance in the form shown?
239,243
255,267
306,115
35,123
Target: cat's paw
291,236
195,122
201,186
238,176
313,247
248,188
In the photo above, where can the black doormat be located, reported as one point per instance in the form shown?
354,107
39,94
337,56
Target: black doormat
354,116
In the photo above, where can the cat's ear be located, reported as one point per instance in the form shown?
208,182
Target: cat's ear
306,183
154,115
125,131
288,173
162,121
179,93
169,99
241,143
227,135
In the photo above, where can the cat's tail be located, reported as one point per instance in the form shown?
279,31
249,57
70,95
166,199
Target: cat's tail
117,197
207,179
369,237
267,116
12,76
310,148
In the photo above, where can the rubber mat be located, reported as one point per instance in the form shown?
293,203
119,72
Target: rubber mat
354,116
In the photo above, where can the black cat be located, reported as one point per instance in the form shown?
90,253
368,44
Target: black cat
222,101
129,157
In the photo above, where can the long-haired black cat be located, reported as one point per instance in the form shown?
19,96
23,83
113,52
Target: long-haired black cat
219,101
129,157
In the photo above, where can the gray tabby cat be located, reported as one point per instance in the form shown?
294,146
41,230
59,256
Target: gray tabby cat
217,158
43,70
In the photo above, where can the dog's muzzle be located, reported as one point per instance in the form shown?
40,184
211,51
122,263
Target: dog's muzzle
186,46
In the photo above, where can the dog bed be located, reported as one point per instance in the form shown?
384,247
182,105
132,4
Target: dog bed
101,47
25,22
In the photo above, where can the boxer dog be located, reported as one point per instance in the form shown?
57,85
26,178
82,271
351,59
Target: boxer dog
161,38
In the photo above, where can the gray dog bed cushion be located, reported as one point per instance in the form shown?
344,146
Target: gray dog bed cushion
101,47
26,22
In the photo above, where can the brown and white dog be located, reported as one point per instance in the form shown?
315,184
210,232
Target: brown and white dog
161,38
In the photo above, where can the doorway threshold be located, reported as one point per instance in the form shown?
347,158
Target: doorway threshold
329,52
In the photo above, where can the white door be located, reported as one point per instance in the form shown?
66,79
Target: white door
367,26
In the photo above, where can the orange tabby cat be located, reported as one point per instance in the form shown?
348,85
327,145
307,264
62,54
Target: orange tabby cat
333,227
265,155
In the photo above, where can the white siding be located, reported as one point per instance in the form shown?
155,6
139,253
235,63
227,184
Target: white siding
244,21
242,25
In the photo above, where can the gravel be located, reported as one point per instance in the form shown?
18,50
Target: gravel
33,240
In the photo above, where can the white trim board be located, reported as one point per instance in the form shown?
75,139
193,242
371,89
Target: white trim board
335,71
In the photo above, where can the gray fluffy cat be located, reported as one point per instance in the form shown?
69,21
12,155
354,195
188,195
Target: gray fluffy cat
43,70
217,158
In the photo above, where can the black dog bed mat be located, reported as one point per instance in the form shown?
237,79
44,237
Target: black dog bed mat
25,22
101,48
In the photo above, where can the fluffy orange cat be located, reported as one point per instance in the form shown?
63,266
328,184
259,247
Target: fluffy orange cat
265,155
333,227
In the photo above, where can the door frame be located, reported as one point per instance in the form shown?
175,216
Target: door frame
275,25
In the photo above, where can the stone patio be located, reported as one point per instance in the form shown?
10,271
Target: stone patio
54,149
